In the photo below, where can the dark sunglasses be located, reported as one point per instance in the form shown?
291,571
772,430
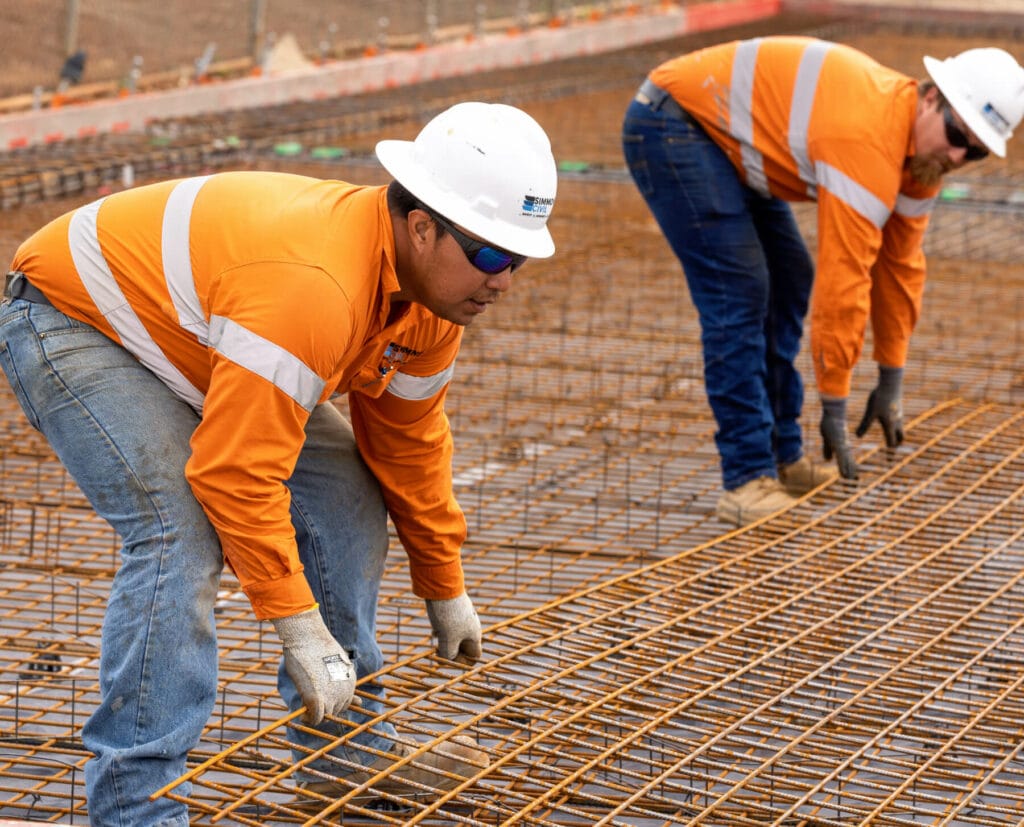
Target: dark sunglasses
955,136
488,259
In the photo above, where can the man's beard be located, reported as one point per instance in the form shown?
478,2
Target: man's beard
926,171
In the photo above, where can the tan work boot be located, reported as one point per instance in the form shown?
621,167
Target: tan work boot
443,768
805,475
752,501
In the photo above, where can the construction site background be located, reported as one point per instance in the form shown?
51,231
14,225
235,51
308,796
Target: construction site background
135,45
854,661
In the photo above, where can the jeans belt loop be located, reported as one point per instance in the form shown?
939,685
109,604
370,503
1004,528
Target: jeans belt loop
659,100
18,286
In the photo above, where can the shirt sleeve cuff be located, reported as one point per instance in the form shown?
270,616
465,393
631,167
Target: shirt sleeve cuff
834,383
437,582
285,597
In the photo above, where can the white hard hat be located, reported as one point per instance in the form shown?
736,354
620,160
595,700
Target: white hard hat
487,167
986,88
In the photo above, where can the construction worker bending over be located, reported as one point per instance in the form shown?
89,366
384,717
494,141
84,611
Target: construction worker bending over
178,345
718,141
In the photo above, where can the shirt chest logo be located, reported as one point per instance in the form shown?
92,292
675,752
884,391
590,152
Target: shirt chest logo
394,356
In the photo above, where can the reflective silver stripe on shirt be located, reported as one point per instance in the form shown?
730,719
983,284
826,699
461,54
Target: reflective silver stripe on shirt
856,195
105,293
416,388
264,358
741,113
800,109
175,248
913,207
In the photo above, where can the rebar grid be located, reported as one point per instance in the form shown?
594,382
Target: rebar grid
856,660
595,460
853,661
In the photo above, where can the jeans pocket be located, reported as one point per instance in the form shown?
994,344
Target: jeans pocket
63,333
696,165
632,150
11,371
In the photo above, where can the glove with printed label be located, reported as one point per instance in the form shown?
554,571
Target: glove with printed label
317,664
886,405
457,627
833,436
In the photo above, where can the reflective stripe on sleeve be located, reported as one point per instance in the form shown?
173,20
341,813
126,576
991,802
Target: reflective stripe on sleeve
741,113
800,111
272,362
857,196
417,388
913,207
175,248
105,293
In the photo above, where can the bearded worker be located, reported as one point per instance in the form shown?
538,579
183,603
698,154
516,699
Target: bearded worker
719,141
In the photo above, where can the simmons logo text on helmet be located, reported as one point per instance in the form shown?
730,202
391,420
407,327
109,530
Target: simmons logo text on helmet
536,206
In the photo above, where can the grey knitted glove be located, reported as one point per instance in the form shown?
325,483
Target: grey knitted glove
833,436
886,405
317,664
457,627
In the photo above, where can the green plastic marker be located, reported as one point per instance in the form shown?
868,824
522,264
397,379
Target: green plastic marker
954,192
573,166
329,152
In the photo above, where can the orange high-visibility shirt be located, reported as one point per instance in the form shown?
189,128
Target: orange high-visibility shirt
805,119
256,296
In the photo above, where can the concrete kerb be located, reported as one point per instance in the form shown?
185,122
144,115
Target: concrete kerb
6,822
388,70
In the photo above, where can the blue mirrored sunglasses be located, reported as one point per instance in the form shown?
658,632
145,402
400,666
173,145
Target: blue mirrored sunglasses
488,259
955,136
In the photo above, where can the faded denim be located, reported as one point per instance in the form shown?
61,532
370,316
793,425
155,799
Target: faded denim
124,438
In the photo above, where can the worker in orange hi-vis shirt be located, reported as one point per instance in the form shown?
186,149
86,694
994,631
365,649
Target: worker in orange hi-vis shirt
179,344
719,141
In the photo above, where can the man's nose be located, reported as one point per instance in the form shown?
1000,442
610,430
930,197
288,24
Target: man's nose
958,154
501,281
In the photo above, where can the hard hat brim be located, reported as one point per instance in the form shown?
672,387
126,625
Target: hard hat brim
950,89
397,157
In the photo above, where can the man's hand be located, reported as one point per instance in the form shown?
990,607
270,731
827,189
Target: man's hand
886,405
316,663
457,627
833,436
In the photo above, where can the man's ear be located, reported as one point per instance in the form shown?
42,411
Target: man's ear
419,224
929,100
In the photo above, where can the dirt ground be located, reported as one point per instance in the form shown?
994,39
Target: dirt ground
579,102
584,127
172,34
597,349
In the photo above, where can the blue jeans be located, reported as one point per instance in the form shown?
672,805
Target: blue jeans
124,438
749,274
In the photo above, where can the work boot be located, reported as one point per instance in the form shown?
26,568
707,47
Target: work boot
805,475
752,501
443,768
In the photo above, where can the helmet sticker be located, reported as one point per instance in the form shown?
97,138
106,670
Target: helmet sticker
534,205
997,121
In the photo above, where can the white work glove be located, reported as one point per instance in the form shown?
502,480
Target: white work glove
316,663
457,627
